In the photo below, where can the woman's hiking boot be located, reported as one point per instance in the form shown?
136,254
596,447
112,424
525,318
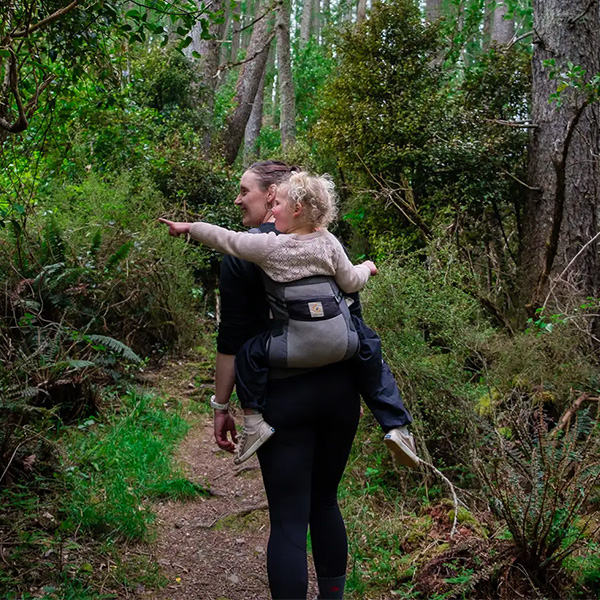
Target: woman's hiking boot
401,444
255,433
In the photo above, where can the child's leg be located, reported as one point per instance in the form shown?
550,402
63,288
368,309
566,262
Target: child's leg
251,377
381,394
376,384
252,373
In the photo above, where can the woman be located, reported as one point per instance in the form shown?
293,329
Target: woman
314,413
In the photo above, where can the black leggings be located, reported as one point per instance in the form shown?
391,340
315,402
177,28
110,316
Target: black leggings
315,417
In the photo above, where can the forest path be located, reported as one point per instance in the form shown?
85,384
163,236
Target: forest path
211,548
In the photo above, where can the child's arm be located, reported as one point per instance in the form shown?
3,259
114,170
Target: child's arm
352,278
248,246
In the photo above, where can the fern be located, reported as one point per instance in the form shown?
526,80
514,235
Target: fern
53,247
115,346
120,255
96,241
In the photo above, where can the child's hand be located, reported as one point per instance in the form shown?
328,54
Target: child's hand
176,228
371,265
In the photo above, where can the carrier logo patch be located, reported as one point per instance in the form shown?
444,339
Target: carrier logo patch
316,310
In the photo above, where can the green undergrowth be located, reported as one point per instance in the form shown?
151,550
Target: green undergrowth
80,533
493,412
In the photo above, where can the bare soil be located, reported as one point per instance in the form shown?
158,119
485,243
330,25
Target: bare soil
211,548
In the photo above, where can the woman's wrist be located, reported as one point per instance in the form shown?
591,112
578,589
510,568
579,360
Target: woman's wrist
219,406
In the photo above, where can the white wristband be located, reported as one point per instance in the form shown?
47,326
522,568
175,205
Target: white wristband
218,406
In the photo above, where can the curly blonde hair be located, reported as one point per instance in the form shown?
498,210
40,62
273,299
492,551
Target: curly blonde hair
316,194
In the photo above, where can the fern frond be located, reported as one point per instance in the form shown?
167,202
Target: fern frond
119,255
96,241
116,346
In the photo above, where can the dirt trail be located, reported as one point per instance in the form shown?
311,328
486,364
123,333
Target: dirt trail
211,548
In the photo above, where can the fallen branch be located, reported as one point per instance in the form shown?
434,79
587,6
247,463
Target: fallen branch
452,490
568,414
242,512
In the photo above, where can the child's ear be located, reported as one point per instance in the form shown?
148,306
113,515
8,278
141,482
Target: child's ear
298,209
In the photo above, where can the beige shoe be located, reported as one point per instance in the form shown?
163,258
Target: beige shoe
251,441
401,444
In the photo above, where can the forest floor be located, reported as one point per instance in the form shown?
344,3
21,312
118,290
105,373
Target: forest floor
210,548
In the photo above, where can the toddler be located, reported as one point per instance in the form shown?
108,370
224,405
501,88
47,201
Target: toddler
305,268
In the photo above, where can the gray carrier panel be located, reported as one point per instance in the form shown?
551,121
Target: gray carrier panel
311,323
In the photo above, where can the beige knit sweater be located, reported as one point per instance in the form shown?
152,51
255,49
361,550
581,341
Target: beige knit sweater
287,257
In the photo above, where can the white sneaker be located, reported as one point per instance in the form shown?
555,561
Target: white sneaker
252,440
401,444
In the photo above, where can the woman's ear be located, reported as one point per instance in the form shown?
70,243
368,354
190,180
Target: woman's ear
271,193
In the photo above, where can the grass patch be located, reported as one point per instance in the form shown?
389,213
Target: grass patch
73,534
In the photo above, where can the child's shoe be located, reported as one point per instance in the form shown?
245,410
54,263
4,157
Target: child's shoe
255,433
401,444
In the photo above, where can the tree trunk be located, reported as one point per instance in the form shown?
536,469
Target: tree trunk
305,21
246,88
433,10
286,84
502,29
253,127
316,20
561,214
361,11
235,36
488,23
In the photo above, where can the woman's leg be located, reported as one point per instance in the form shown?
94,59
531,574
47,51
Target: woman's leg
286,468
337,428
315,416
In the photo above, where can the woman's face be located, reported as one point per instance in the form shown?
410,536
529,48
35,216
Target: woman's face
254,201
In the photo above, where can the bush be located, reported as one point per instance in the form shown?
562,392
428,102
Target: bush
432,333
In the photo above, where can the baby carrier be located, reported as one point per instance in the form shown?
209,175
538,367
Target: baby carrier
310,323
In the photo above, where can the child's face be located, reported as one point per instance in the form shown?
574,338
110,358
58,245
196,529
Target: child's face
283,210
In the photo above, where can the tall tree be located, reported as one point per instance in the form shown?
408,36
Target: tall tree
247,85
503,27
286,83
361,10
433,9
41,41
254,125
559,257
305,22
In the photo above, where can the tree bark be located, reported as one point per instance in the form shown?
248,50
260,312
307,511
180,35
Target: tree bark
254,125
235,36
361,11
316,20
286,84
561,215
246,88
503,29
433,10
305,21
488,23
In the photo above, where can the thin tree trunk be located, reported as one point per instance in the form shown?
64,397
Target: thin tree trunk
246,88
503,29
305,21
253,9
488,23
286,84
361,11
561,215
253,127
235,36
316,20
433,10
